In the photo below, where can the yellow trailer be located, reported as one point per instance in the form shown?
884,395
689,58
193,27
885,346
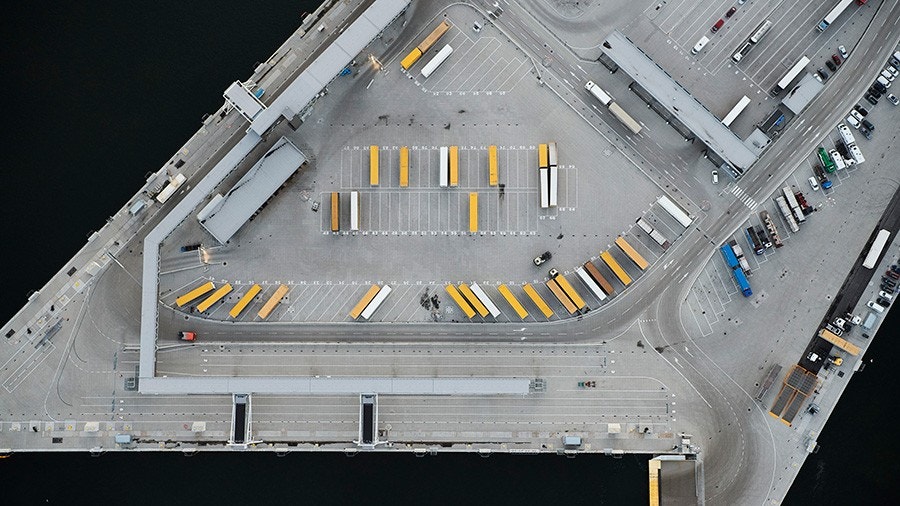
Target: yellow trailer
616,268
245,300
335,211
543,160
538,300
561,296
404,167
272,302
632,253
473,299
454,165
473,212
215,297
373,165
493,173
454,294
411,58
195,293
366,299
570,291
513,301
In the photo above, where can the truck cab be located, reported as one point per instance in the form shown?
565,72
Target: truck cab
187,336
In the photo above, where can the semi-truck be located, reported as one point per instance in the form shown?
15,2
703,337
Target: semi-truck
753,241
653,233
739,253
736,271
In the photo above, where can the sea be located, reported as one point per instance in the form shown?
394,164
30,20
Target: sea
102,93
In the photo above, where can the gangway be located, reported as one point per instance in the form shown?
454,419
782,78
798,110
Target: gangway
240,421
368,421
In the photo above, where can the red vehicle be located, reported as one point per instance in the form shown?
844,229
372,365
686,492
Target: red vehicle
731,12
718,25
187,336
836,59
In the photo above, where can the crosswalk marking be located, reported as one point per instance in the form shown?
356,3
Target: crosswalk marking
744,197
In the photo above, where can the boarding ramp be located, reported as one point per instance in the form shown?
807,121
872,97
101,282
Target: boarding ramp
240,421
368,420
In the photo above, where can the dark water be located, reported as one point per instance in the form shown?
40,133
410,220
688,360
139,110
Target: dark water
99,94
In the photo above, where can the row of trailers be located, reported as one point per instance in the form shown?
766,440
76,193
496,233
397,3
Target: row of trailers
548,174
473,300
355,211
218,294
448,161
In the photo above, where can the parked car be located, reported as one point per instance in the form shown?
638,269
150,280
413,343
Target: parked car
843,51
866,132
836,59
893,99
875,92
813,183
892,274
881,301
887,75
823,74
852,121
715,27
872,100
731,12
715,176
862,110
831,66
893,71
868,124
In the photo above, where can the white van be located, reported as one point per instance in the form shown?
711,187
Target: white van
700,45
884,82
875,306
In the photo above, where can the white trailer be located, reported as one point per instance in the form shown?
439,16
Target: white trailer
483,297
436,62
376,302
590,283
543,187
792,201
553,189
445,166
354,210
675,211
